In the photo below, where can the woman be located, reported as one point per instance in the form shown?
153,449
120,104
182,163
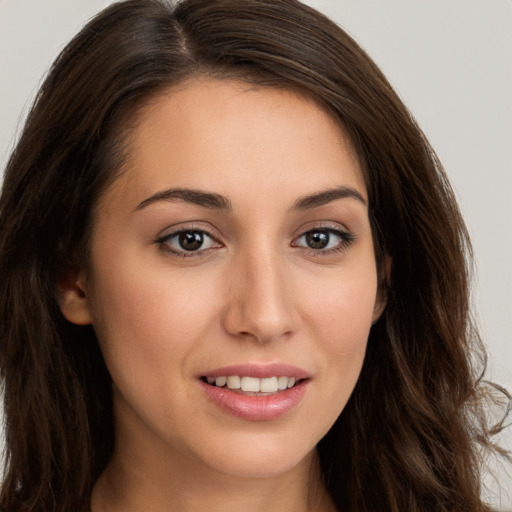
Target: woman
234,275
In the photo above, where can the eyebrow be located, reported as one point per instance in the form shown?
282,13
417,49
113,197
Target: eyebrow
206,199
327,196
215,201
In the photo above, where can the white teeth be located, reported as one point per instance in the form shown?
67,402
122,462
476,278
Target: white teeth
253,384
233,382
269,385
282,383
250,384
220,381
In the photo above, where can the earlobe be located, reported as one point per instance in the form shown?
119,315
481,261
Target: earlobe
73,298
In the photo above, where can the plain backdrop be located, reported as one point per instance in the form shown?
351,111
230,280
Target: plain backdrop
450,61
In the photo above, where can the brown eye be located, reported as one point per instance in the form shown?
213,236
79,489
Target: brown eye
187,242
317,239
191,240
324,240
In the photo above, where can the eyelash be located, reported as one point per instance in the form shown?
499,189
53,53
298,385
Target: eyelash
346,239
163,242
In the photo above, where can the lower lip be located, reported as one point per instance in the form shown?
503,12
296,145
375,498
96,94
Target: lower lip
256,408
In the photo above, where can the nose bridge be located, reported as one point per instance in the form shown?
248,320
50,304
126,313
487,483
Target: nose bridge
261,305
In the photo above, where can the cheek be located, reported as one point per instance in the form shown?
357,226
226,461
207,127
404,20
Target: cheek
148,322
151,326
342,307
341,318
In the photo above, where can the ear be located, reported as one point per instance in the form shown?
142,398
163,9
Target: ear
73,298
380,306
382,292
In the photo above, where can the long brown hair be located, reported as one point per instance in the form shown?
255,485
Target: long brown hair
407,438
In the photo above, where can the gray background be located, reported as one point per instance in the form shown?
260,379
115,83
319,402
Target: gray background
450,61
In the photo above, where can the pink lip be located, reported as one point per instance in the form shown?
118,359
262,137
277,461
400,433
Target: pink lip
258,370
253,407
257,407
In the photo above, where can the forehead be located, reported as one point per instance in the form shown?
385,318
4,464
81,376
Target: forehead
226,136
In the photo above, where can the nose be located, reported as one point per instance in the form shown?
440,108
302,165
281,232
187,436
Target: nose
260,304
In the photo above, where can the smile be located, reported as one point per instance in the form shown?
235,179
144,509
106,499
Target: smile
256,392
253,385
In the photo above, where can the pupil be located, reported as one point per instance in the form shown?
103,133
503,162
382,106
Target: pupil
317,239
191,240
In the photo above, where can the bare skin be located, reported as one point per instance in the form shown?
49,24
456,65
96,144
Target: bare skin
126,489
237,235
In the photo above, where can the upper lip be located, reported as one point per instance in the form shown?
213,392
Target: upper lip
259,370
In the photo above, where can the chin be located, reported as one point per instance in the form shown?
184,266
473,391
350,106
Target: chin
261,456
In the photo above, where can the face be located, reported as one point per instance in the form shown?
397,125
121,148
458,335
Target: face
234,250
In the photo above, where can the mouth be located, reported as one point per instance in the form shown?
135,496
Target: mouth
253,386
256,392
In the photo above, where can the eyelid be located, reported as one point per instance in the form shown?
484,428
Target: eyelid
186,226
174,230
321,225
347,238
